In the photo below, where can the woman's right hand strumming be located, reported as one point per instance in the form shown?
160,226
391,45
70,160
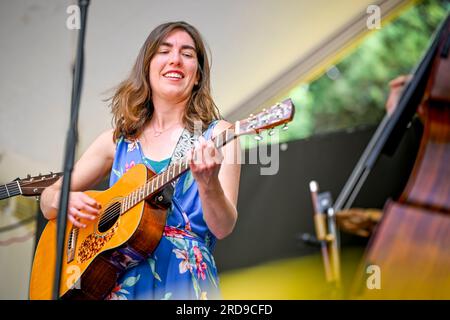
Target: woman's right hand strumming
89,170
81,208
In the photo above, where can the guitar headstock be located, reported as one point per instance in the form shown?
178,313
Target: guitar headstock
32,186
281,113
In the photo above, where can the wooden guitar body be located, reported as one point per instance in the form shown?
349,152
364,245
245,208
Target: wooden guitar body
91,269
129,226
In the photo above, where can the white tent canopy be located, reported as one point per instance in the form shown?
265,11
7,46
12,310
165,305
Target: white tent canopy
258,48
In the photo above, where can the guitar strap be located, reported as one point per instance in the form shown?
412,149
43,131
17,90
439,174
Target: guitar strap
185,144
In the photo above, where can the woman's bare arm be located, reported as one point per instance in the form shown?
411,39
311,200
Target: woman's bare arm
88,171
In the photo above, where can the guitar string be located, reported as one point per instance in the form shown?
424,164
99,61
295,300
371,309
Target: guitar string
11,189
111,214
107,212
108,215
11,186
114,211
5,192
110,211
25,182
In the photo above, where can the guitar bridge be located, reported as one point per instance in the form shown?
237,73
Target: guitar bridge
71,245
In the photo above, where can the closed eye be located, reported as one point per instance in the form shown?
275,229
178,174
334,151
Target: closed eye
188,54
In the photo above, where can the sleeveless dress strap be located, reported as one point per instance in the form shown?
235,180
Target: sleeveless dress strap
208,132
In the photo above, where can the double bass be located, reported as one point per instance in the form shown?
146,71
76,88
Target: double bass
408,253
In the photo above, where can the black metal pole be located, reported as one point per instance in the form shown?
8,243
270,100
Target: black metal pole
72,138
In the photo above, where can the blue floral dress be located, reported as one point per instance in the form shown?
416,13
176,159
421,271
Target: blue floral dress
182,266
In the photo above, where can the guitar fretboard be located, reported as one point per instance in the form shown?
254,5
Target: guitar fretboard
173,171
10,190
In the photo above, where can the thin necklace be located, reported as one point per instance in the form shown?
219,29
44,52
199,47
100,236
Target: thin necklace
157,133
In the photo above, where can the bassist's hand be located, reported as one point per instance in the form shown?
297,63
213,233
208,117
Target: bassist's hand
396,87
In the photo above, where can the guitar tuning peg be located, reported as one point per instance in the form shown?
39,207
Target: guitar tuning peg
28,176
264,110
285,127
271,132
258,137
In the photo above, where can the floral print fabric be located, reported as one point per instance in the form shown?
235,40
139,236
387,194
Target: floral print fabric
182,266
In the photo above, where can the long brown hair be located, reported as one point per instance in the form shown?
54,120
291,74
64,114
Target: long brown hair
131,104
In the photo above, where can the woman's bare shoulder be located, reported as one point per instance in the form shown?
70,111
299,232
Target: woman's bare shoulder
105,143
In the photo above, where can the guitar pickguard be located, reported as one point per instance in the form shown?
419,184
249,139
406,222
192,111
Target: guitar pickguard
93,244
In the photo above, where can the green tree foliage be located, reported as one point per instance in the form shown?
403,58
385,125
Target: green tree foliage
358,95
354,91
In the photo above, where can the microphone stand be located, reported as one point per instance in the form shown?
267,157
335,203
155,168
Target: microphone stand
72,138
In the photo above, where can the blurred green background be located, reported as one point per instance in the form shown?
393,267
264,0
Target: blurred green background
353,92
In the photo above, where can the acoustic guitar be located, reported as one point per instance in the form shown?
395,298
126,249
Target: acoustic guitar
130,222
30,186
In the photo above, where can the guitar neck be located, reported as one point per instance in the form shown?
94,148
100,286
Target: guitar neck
10,190
173,171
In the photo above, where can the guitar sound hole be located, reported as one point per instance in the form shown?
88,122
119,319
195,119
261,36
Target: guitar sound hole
109,217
